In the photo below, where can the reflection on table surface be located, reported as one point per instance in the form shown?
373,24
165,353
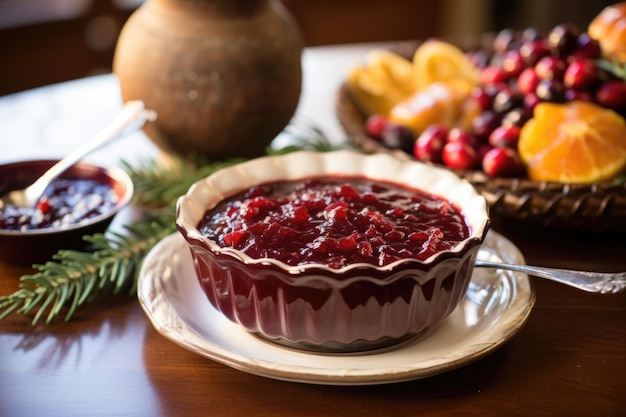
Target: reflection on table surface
109,361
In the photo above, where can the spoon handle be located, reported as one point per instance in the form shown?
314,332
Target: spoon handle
605,283
133,112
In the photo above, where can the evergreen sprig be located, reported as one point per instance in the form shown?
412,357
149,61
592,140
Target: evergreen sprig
158,186
73,278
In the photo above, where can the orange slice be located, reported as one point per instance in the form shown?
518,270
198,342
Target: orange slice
436,60
442,103
577,142
384,80
391,69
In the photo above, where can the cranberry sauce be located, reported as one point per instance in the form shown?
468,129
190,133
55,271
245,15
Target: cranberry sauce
65,202
336,222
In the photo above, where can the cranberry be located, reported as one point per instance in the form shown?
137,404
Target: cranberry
374,126
502,162
485,123
550,68
518,116
506,100
496,59
483,97
587,47
530,34
459,155
493,75
505,137
563,39
533,51
512,63
527,81
483,149
571,95
612,95
462,136
43,205
478,59
580,74
397,136
531,100
550,90
233,238
258,207
503,40
430,142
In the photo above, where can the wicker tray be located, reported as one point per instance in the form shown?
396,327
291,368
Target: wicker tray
597,207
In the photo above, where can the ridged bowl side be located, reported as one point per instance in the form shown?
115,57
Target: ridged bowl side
365,309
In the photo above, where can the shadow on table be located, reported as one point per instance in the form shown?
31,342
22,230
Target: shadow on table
101,323
179,377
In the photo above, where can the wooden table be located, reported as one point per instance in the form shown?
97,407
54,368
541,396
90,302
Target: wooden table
569,359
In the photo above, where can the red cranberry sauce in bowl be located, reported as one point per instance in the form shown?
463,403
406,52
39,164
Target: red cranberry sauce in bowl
334,252
336,221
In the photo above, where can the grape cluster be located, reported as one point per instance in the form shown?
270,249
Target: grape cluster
522,70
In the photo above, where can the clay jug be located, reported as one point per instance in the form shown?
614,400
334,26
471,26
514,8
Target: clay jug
224,76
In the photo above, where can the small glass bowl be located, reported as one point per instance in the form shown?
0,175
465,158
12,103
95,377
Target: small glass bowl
313,307
38,245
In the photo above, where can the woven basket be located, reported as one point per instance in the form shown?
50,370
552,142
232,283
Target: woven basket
597,207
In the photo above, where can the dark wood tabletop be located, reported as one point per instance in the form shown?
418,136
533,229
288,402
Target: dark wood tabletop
568,360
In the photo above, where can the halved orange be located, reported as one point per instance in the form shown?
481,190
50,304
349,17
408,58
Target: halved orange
576,142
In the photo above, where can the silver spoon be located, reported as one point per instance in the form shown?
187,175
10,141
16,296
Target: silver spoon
133,116
604,283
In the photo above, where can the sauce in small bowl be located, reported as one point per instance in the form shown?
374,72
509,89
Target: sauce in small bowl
82,201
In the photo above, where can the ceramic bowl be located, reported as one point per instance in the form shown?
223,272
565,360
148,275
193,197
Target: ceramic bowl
355,308
38,245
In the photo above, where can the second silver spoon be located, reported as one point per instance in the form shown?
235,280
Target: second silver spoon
604,283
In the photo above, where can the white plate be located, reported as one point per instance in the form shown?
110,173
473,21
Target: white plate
495,307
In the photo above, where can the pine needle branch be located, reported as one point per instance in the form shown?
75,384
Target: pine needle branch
158,186
74,278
